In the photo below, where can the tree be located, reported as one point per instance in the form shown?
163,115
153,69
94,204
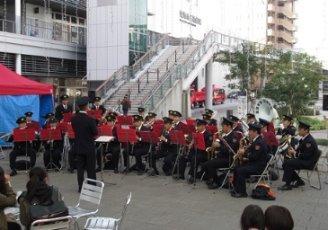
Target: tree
294,82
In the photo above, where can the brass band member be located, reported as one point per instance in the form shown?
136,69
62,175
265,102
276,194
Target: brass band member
208,117
224,156
269,136
236,125
251,119
196,156
141,111
150,119
21,148
140,148
64,107
306,157
30,123
48,116
97,106
57,148
256,158
165,149
112,149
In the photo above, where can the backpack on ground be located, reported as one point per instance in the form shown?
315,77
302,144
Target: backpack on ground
263,192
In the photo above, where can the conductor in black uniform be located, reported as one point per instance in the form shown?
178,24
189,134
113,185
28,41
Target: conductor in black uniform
304,157
64,107
224,155
85,130
254,158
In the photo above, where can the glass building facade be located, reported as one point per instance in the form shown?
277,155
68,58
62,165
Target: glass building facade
138,33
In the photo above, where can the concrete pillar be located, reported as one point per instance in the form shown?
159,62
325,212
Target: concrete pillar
18,62
209,84
18,15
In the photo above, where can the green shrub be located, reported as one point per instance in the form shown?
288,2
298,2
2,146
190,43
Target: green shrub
316,124
322,142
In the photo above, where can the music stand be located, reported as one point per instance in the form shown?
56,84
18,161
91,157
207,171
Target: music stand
24,135
51,135
124,120
103,139
127,136
177,137
198,144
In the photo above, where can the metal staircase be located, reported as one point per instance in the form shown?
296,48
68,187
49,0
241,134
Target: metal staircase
139,80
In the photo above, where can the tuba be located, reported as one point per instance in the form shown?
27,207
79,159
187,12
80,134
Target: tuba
264,109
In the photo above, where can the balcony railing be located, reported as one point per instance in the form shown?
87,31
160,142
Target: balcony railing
55,31
7,26
82,4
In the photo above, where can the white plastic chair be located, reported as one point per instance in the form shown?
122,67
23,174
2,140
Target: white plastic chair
91,194
108,223
59,223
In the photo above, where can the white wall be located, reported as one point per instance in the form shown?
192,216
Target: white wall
166,18
312,28
108,38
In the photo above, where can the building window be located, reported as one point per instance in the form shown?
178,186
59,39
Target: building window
280,40
280,27
281,16
73,20
281,3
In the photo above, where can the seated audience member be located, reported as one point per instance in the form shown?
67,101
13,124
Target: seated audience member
252,218
37,192
278,218
7,199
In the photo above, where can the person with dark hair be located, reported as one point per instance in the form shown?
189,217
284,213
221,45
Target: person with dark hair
278,218
7,199
63,108
126,105
37,192
253,158
304,156
85,130
252,218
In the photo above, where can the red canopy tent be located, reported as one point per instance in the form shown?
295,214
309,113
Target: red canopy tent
12,83
19,95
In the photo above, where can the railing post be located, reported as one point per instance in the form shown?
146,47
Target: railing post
114,79
139,86
175,56
167,64
147,74
140,65
170,80
152,101
162,90
157,73
183,47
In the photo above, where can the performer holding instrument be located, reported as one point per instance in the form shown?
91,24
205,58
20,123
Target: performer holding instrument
254,158
97,106
21,148
164,149
64,107
196,156
304,156
225,149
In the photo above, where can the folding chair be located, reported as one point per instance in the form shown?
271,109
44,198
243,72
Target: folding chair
59,223
91,195
108,223
265,173
315,170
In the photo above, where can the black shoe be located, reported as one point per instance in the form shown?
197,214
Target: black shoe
299,183
239,195
13,173
153,172
285,187
178,177
98,169
116,171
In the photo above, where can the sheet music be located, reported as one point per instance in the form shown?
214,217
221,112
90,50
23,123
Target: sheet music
105,139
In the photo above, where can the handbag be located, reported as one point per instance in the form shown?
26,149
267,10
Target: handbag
56,209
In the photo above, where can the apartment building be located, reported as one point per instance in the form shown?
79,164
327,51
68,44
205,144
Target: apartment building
45,40
281,23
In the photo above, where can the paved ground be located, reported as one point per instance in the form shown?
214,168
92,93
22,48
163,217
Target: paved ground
160,203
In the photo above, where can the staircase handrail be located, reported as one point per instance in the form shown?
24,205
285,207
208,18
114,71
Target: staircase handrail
124,73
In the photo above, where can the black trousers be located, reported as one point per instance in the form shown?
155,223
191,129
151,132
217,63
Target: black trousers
85,162
210,167
242,172
72,156
21,152
195,157
55,154
291,165
138,152
112,152
166,153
